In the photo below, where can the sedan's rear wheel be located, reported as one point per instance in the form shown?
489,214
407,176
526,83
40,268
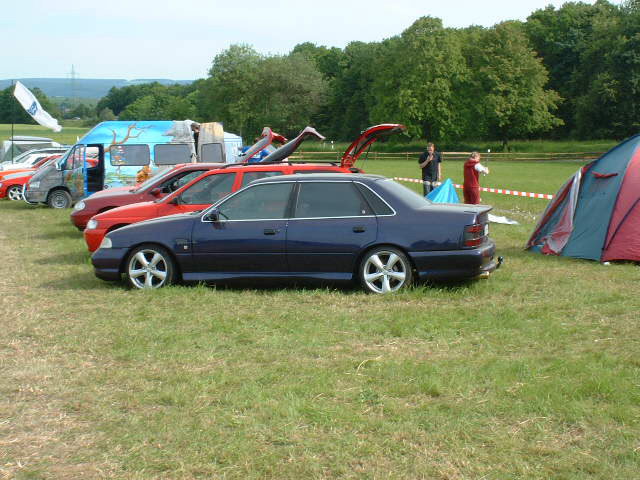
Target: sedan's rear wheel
384,270
150,266
14,193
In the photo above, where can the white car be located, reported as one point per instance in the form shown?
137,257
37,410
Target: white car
30,158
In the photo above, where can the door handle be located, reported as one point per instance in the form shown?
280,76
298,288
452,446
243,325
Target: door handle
271,231
359,229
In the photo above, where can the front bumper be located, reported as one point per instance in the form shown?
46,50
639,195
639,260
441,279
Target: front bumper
106,263
79,218
93,238
34,196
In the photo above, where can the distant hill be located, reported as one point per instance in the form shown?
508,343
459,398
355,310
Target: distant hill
84,87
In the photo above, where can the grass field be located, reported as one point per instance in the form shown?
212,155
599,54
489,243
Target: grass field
532,374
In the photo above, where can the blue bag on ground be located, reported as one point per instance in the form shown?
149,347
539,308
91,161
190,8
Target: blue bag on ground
445,193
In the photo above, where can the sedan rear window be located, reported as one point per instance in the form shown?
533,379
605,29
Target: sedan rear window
330,199
404,194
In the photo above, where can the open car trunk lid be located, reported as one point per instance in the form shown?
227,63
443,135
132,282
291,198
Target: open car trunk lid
288,148
367,137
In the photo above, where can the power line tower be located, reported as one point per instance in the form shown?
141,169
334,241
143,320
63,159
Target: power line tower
73,76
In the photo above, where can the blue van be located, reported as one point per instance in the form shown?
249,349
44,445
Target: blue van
111,154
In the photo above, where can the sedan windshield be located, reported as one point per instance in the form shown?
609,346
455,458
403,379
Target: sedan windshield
150,181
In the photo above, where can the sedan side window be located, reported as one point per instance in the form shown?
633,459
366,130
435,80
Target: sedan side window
327,199
262,202
209,190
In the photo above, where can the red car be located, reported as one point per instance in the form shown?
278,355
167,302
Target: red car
217,184
12,181
157,186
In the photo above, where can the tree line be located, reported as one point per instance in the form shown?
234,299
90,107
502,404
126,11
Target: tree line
568,72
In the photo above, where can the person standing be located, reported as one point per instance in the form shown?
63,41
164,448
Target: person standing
430,163
472,170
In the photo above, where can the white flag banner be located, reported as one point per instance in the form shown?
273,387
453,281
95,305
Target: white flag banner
31,104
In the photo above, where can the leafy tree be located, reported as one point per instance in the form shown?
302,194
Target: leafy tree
419,80
229,94
247,91
514,101
106,115
349,100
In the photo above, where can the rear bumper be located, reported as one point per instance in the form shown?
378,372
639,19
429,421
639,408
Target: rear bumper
456,264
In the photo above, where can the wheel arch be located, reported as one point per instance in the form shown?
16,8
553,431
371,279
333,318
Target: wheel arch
366,250
122,267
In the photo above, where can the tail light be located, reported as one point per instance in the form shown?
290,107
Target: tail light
475,235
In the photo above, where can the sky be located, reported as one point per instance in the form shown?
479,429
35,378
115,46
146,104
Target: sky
178,40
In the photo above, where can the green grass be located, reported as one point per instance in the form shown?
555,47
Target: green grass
533,373
68,135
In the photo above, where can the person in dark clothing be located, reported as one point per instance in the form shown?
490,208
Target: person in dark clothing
430,163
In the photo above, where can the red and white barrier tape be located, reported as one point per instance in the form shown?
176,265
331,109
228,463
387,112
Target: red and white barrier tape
484,189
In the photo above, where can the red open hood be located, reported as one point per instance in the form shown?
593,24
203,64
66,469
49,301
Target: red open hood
267,138
287,149
366,138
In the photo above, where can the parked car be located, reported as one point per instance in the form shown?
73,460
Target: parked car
156,187
329,227
218,183
12,182
41,161
31,159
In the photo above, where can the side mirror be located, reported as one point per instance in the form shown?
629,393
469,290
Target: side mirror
156,192
58,167
213,215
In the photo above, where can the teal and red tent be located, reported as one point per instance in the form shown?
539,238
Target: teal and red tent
596,213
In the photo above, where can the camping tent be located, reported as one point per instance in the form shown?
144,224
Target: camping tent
596,213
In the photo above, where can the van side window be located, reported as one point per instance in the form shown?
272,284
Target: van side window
212,153
130,155
171,153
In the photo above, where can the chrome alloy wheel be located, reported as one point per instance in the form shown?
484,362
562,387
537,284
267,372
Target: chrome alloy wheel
385,271
148,269
14,193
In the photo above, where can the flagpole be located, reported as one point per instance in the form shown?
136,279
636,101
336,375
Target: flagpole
12,119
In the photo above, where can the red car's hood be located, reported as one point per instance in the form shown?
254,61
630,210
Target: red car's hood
366,138
116,192
139,209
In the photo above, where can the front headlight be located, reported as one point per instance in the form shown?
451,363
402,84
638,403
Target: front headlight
91,224
79,206
34,184
106,243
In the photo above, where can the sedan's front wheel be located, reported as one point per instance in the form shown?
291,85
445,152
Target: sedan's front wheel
150,266
384,270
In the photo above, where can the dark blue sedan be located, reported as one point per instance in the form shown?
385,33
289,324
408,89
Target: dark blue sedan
329,227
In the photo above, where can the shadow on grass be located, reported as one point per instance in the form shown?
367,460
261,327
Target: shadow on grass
58,234
71,258
81,281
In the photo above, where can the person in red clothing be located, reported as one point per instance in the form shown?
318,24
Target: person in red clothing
472,170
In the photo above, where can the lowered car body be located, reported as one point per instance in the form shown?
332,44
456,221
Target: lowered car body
330,227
